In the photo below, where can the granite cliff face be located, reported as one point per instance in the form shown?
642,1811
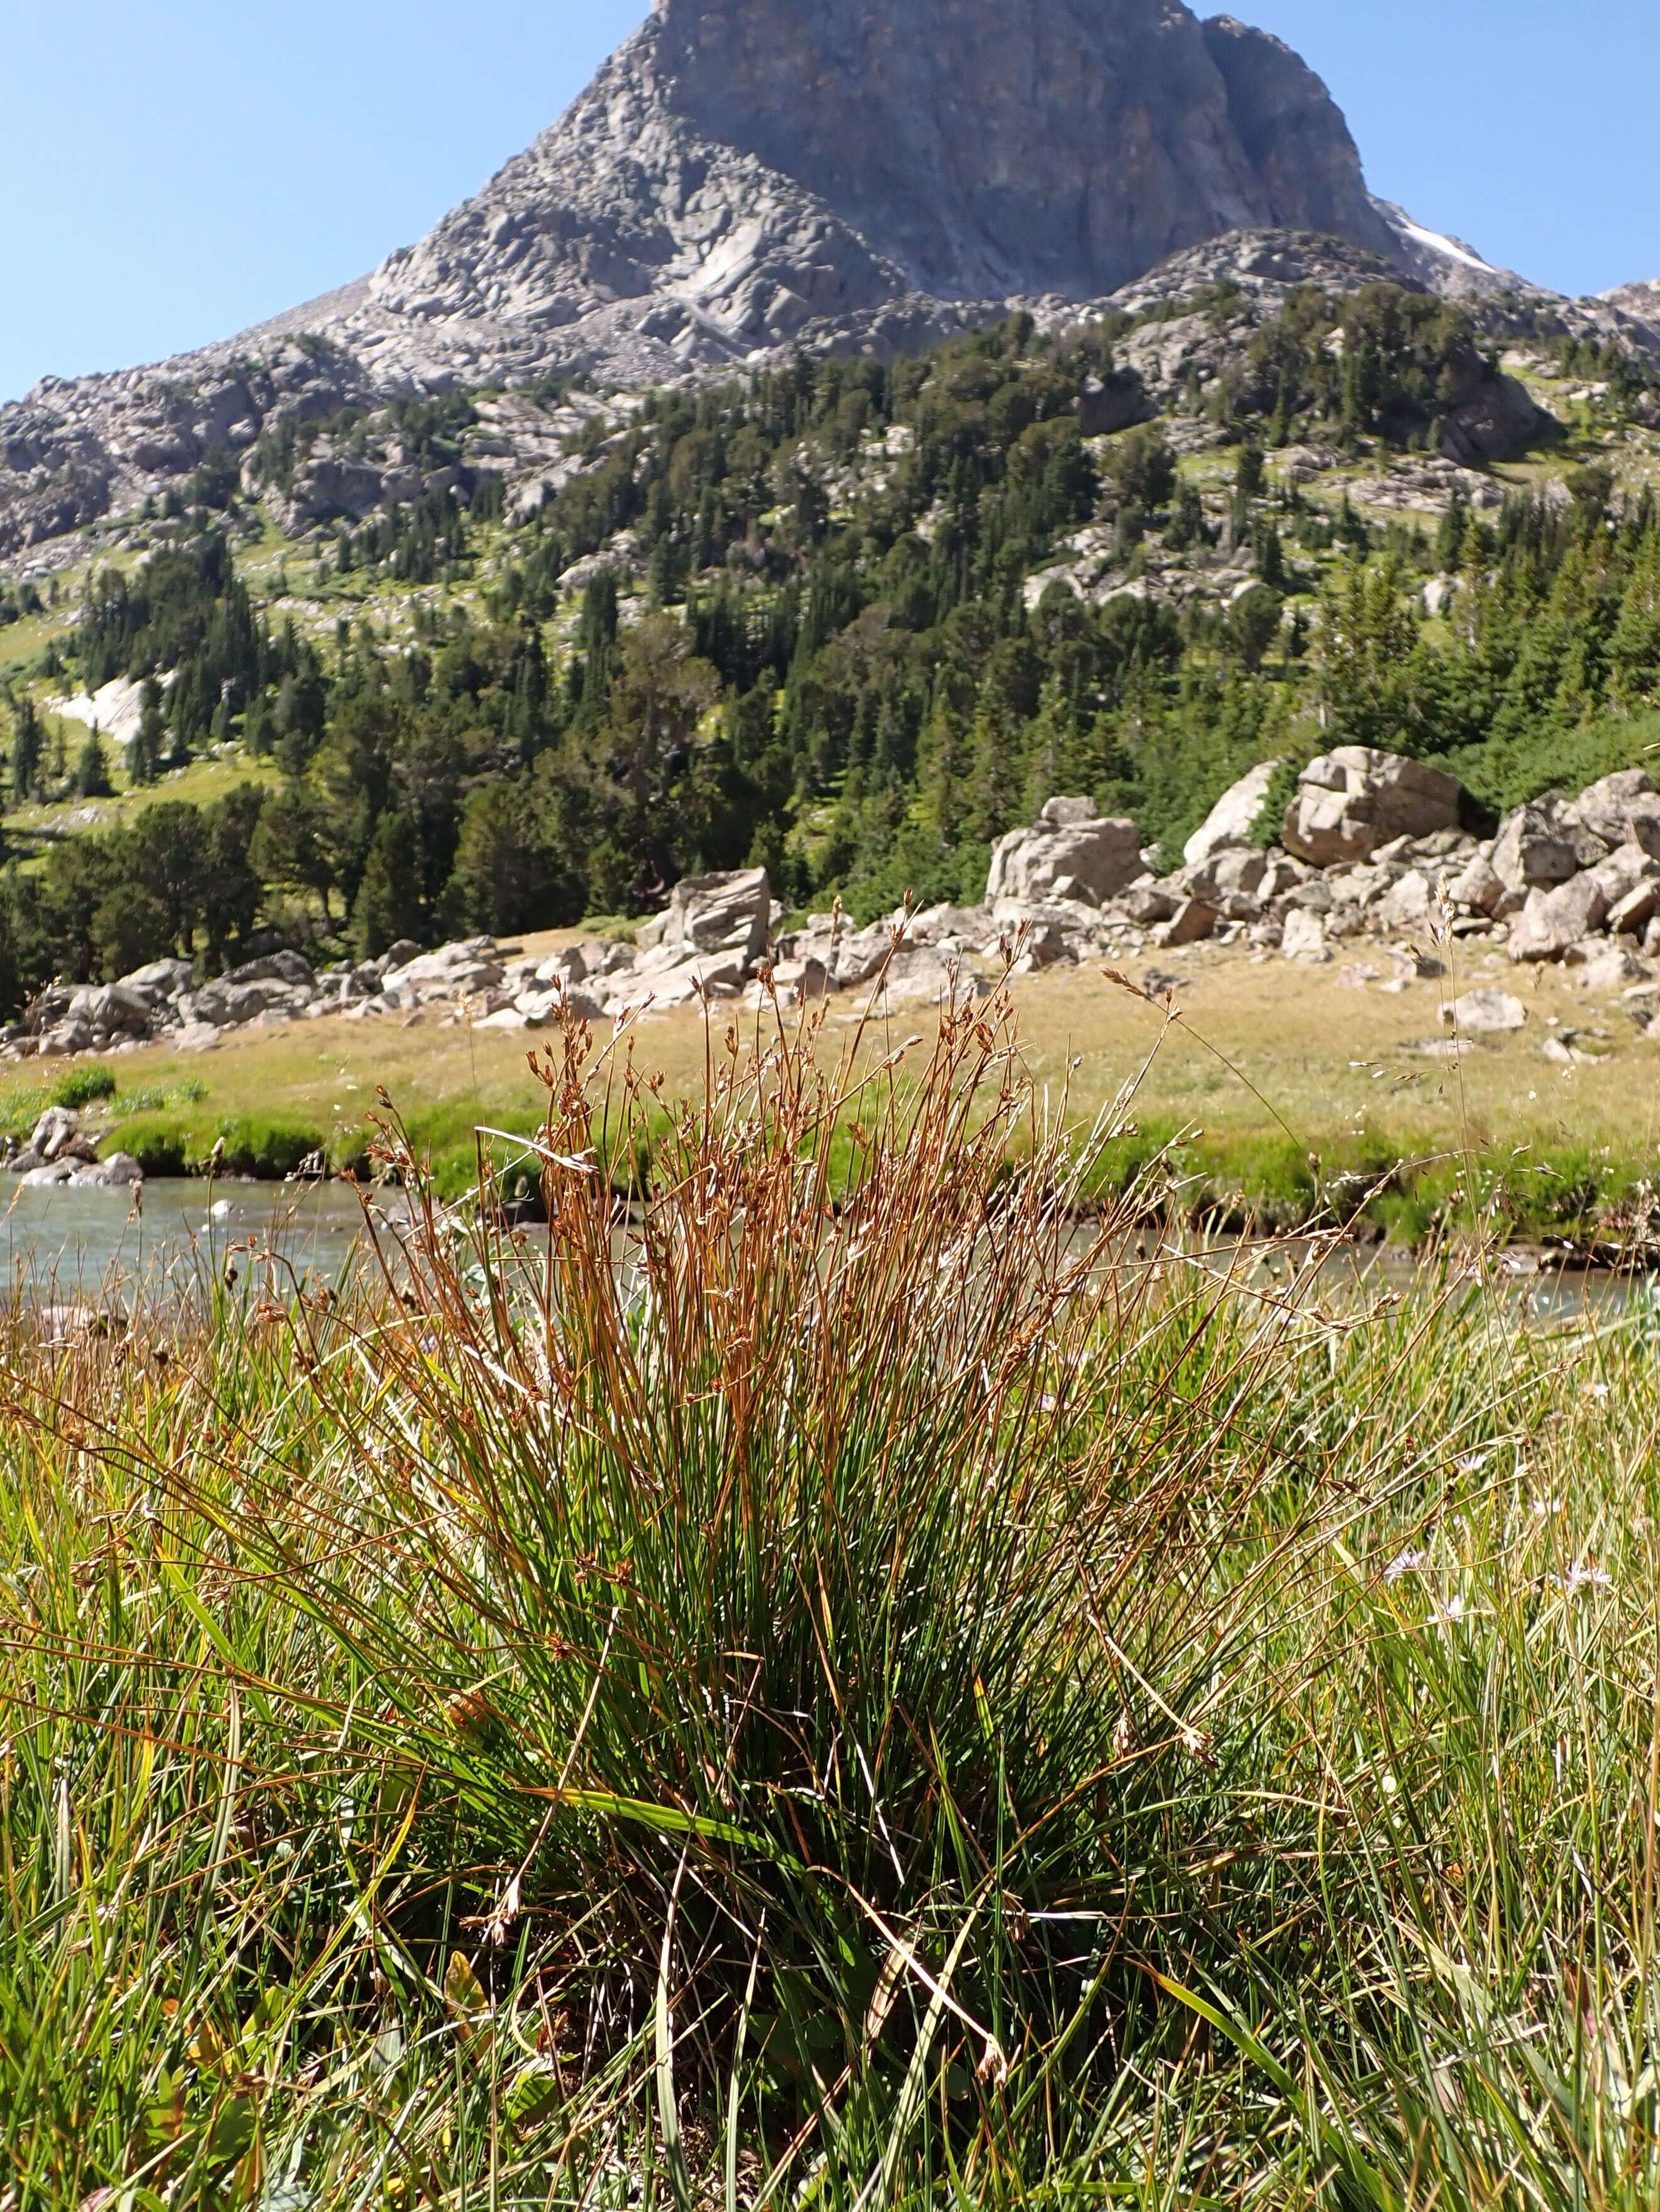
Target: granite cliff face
748,175
756,165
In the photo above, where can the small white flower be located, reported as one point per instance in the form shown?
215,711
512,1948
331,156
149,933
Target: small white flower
1447,1612
1543,1507
1599,1389
1389,1785
1406,1563
1581,1576
1470,1462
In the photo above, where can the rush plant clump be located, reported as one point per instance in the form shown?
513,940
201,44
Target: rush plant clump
820,1673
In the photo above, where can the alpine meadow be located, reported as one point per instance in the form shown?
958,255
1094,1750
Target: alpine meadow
917,783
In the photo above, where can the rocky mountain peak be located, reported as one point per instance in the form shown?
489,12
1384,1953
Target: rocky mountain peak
745,177
766,162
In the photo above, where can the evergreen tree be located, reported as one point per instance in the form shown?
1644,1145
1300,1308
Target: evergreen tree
26,751
387,908
1454,530
92,772
145,748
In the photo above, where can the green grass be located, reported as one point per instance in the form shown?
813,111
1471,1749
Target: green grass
32,828
878,1702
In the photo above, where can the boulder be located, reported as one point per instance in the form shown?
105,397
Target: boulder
1193,920
1304,936
727,914
1281,877
1479,886
1038,944
118,1172
1102,854
1350,801
66,1039
1600,965
55,1133
1486,1012
453,971
1105,408
1622,808
1535,849
1624,869
851,957
1147,903
1233,870
677,983
1631,915
1500,423
1232,818
285,967
119,1008
1552,920
1076,894
798,981
159,980
1407,902
569,965
918,972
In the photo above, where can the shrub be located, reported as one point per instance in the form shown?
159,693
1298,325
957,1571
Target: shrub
83,1086
821,1489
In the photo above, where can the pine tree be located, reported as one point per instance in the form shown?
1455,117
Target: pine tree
26,745
387,907
1271,556
145,749
92,772
1455,528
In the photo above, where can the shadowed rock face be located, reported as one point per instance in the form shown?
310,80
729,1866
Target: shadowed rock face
1038,147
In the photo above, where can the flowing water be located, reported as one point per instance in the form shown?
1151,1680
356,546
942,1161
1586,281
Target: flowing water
65,1245
62,1246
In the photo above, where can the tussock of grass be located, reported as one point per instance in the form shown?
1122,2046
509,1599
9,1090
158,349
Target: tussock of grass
834,1686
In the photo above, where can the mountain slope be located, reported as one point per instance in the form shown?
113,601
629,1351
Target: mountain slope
746,176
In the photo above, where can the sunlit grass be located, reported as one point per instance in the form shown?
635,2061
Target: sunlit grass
835,1685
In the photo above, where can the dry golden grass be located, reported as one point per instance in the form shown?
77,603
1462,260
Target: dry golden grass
1251,1053
1261,1049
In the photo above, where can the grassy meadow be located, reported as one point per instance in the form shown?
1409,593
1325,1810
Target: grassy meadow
1274,1095
834,1686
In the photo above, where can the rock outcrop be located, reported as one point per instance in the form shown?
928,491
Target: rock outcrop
754,167
1070,853
1233,818
1071,889
1354,799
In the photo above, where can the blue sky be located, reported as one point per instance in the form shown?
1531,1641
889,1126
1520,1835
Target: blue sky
172,172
